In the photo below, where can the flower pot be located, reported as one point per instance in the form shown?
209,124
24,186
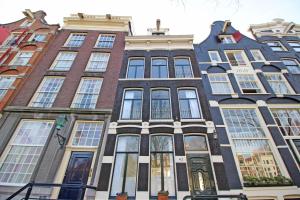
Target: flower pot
163,195
122,196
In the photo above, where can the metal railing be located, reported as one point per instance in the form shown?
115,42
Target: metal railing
199,197
29,187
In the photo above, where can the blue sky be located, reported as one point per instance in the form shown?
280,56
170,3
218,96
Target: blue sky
181,16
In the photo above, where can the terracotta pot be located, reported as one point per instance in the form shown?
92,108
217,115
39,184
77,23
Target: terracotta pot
122,196
163,195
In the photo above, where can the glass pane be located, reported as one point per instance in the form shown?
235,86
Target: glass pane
169,173
128,144
118,175
87,134
288,121
131,174
195,143
155,173
161,143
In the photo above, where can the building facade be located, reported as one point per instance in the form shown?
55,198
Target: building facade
52,131
254,103
22,44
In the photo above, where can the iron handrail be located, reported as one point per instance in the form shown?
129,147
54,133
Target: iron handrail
198,197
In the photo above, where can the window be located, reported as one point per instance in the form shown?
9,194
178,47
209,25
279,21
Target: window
214,56
189,104
159,68
257,55
295,147
288,120
195,143
105,41
136,68
126,161
227,39
278,83
183,68
75,40
22,58
292,65
295,45
5,84
252,148
63,61
220,83
98,62
162,165
132,105
39,37
160,104
87,133
237,58
23,151
248,83
47,91
276,46
11,40
26,24
87,93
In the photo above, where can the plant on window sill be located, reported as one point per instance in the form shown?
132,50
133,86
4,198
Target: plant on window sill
252,181
163,195
122,196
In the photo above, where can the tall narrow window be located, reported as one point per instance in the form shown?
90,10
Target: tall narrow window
288,120
105,41
22,58
248,83
63,61
160,104
220,83
159,68
75,40
11,40
276,46
87,133
162,165
251,145
292,65
237,58
87,93
183,68
295,45
5,84
98,62
47,91
214,56
189,104
257,55
23,151
278,83
136,68
132,105
125,171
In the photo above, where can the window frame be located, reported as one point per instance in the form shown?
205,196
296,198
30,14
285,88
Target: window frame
70,37
257,81
90,60
170,101
198,103
291,59
191,66
12,62
31,39
128,64
122,105
11,87
227,81
167,67
225,38
218,56
244,56
258,51
279,45
287,84
105,34
294,47
58,59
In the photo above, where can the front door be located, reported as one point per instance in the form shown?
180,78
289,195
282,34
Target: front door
200,174
77,173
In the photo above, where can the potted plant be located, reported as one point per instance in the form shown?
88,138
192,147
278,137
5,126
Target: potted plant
252,181
163,195
122,196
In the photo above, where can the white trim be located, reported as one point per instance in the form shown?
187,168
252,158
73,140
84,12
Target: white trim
70,37
218,56
128,61
191,66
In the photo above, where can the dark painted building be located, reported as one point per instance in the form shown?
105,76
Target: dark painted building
161,137
52,131
254,104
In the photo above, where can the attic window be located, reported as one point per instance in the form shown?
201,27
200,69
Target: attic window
26,24
227,39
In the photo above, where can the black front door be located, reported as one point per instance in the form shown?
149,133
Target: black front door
77,173
200,173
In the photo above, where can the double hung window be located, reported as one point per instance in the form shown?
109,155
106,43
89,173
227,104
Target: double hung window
183,68
135,68
132,105
159,68
160,104
189,104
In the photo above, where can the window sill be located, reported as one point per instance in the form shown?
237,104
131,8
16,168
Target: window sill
130,121
161,120
192,120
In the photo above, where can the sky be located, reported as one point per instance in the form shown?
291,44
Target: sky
180,16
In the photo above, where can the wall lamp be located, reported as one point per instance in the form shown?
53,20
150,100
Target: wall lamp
59,124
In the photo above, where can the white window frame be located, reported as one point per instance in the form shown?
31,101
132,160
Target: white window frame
291,91
106,55
10,144
268,137
227,81
133,58
171,108
217,55
70,37
244,56
27,23
191,66
278,42
257,51
9,38
198,101
98,40
8,88
74,102
12,63
35,34
294,47
58,59
292,59
122,106
257,81
166,58
227,39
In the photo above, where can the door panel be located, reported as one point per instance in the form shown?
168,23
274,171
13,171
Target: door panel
77,173
200,174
